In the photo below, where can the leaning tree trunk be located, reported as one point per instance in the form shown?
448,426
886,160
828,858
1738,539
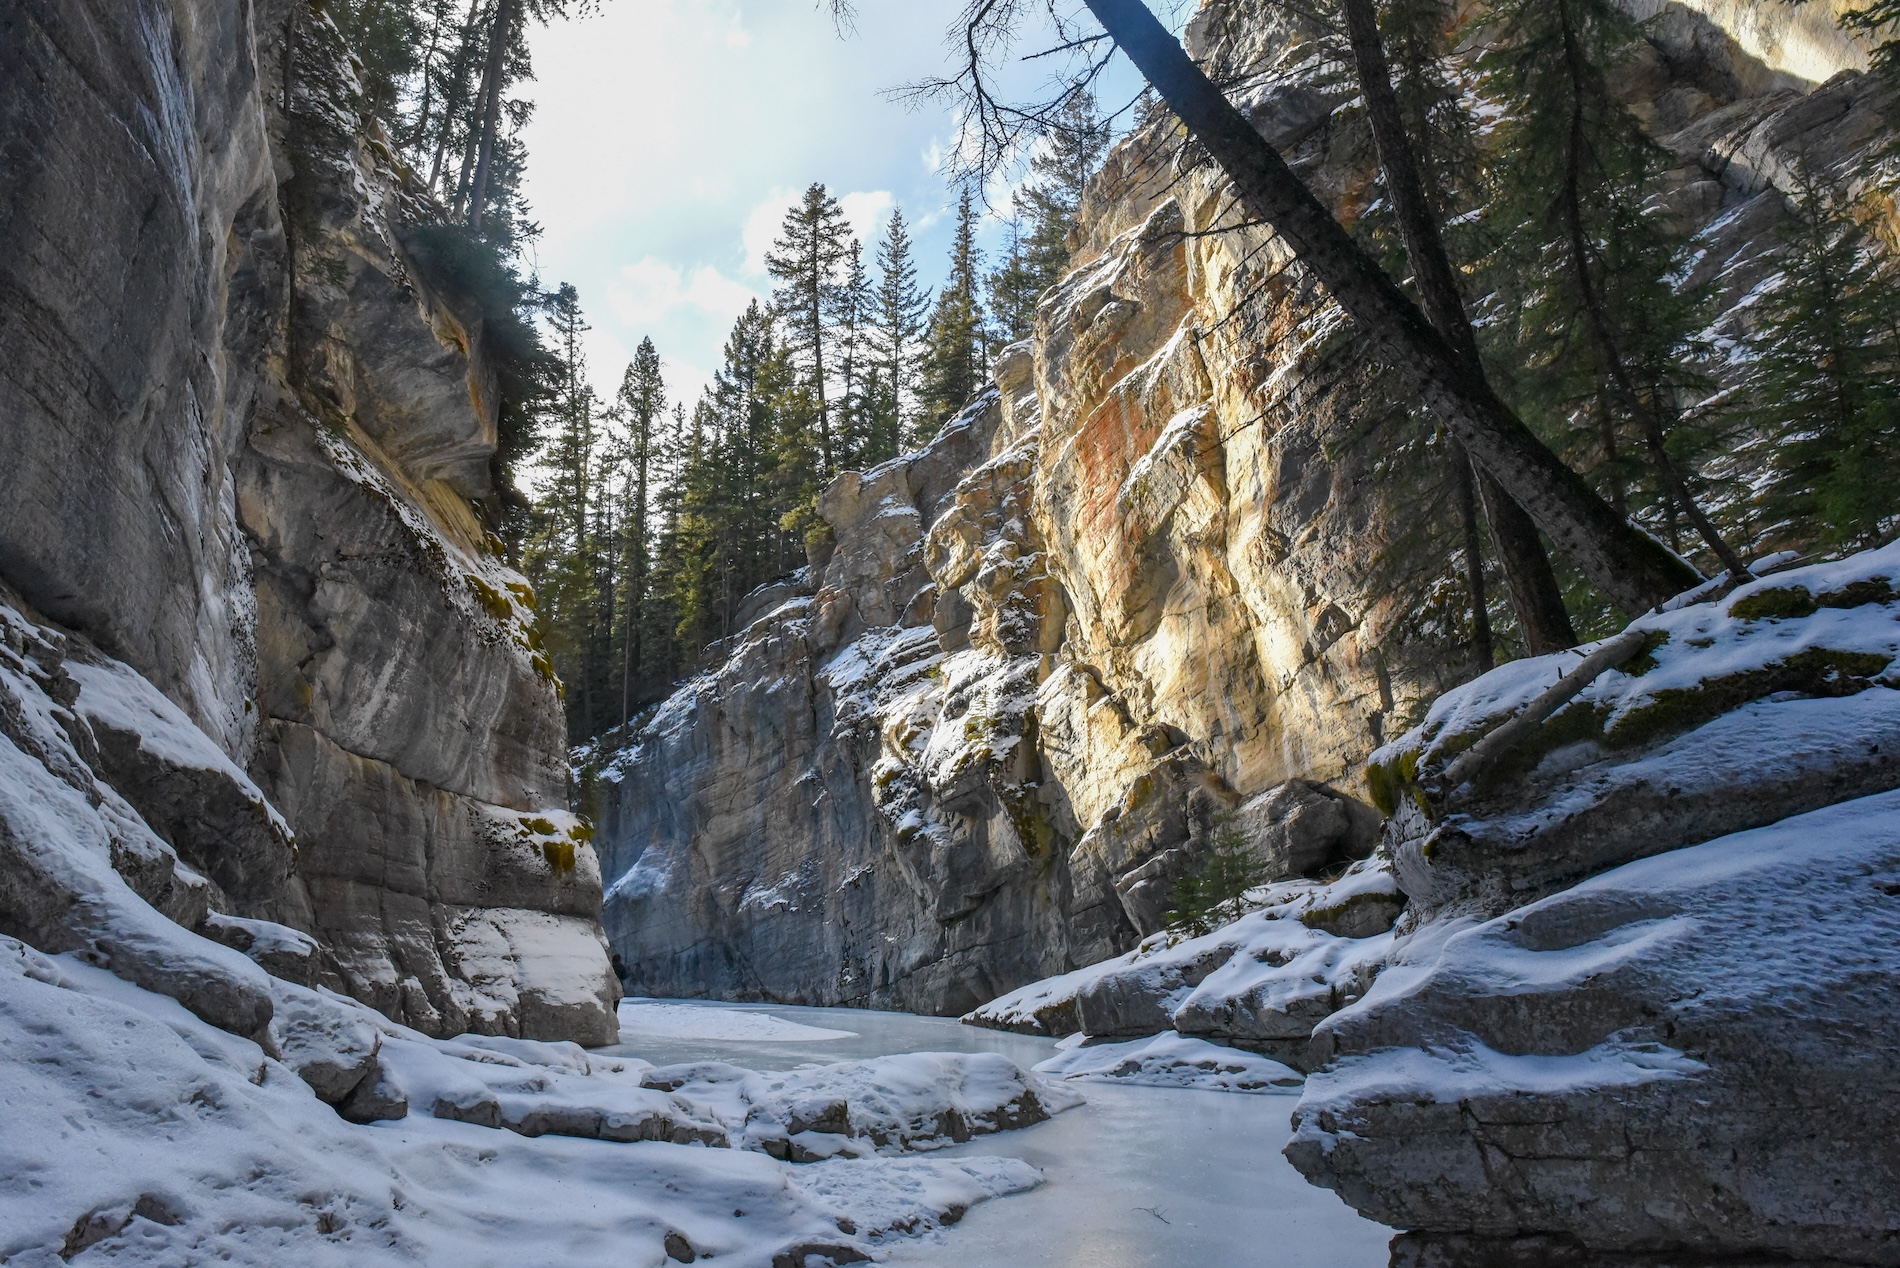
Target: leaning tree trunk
1483,649
498,38
1535,595
1647,412
1635,570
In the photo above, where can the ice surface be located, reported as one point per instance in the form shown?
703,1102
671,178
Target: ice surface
1210,1164
644,1018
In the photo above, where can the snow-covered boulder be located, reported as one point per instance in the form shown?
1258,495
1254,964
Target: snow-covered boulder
1170,1060
1741,710
912,1101
1694,1053
138,1133
1262,981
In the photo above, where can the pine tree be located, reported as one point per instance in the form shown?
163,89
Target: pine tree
1046,211
642,403
1214,893
384,36
1015,287
564,558
852,320
808,261
957,355
1824,384
897,330
1585,269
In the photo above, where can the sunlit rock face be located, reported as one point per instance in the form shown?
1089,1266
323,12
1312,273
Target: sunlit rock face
1148,582
248,436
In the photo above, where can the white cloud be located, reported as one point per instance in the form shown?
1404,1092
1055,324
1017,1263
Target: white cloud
761,228
867,212
651,294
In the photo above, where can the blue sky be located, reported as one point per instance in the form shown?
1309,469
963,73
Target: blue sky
670,136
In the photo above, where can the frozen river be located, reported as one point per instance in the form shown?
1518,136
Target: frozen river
1140,1177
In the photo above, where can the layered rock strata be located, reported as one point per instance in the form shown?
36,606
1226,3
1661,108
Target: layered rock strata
249,433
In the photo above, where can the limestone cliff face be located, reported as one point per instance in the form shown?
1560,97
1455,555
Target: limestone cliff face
978,744
248,432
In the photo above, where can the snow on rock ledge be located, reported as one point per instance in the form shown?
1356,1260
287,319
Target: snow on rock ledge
1691,1053
1171,1060
1262,982
1743,710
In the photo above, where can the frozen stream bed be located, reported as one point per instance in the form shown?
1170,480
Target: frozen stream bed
1140,1177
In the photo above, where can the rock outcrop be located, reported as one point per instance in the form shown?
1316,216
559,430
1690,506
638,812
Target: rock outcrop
1639,1001
249,426
1142,590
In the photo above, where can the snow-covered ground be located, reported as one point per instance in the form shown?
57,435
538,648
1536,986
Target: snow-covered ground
166,1100
138,1133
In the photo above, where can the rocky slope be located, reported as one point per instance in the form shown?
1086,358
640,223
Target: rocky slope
1142,585
247,445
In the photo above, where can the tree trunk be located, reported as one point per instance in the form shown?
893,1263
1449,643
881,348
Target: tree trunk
455,102
1516,537
1632,568
1646,411
1483,649
498,38
1534,591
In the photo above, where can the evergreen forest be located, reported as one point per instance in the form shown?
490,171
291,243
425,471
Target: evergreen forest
1571,268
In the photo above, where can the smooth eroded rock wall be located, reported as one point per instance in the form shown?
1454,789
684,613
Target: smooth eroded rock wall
247,448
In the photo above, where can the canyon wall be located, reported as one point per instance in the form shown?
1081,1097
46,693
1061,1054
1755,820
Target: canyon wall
248,424
1142,589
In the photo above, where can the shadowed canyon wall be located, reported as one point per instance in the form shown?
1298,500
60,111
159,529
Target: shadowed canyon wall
247,441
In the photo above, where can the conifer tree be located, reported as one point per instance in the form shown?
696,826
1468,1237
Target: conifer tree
1046,210
642,403
957,355
1824,384
852,322
808,261
1584,268
1014,287
564,559
897,330
1421,134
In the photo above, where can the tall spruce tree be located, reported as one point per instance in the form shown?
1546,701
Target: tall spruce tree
642,404
809,260
1824,382
957,350
564,557
897,331
1585,268
1014,288
852,318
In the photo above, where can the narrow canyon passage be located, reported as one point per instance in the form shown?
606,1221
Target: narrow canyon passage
1138,1177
